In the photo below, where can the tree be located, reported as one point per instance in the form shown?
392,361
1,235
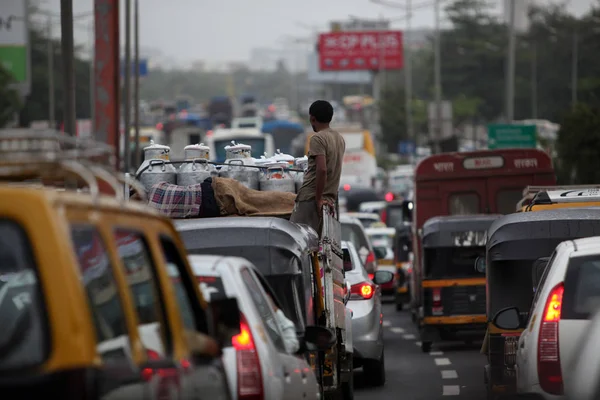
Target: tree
578,144
10,103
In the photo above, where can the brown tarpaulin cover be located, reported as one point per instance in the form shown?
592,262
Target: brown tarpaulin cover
233,198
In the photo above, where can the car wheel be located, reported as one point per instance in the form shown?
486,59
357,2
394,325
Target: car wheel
375,371
426,347
399,306
348,387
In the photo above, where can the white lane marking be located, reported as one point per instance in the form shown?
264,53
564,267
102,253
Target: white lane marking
418,343
436,353
387,323
449,374
409,336
442,361
450,390
397,330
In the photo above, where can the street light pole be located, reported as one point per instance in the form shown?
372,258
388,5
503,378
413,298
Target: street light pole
510,64
574,70
408,77
534,101
438,81
51,91
136,87
127,88
66,24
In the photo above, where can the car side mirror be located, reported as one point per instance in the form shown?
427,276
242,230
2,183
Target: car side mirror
347,292
480,265
508,318
318,338
383,277
224,315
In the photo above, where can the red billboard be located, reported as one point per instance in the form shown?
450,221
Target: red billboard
360,50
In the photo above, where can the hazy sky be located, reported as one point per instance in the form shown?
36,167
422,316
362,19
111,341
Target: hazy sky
223,30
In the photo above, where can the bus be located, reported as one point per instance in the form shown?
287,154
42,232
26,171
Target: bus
359,167
261,143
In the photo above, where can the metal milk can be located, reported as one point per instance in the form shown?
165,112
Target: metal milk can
196,171
277,178
246,174
155,169
300,163
282,157
237,151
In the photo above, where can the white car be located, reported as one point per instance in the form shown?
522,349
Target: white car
567,293
583,377
367,324
372,206
257,363
366,219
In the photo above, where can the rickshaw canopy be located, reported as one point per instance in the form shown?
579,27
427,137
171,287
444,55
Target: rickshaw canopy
274,245
457,230
529,236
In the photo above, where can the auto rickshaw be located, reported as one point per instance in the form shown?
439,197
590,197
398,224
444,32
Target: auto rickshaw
515,242
287,255
453,292
403,262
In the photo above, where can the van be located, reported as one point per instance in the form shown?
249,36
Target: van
99,299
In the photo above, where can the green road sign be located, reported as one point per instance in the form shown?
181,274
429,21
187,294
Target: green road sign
512,136
14,59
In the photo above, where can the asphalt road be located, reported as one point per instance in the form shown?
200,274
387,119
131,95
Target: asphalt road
451,369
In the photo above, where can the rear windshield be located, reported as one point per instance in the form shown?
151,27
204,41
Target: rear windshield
452,262
582,287
382,240
23,334
212,287
354,234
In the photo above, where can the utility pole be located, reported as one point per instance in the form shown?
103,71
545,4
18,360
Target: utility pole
66,24
574,70
510,64
91,30
127,88
534,100
408,79
136,87
438,81
51,91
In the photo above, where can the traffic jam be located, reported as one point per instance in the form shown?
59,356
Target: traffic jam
476,277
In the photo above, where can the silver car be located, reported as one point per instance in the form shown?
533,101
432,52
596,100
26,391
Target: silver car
367,323
353,232
256,363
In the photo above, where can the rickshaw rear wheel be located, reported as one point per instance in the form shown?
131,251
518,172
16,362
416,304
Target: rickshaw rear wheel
426,347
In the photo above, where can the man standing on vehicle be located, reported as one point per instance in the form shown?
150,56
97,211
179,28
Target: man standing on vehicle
322,177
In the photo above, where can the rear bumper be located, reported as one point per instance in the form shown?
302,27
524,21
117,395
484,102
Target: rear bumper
470,327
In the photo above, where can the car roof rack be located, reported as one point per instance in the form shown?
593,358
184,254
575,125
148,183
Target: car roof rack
531,192
51,158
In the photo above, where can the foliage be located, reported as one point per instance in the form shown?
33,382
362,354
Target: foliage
9,98
578,144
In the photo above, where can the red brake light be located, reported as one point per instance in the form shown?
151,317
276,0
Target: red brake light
389,196
147,373
362,291
347,187
249,375
371,257
548,356
160,126
437,307
371,276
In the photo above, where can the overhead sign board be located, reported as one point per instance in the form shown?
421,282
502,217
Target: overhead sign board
337,77
360,51
14,43
512,136
360,25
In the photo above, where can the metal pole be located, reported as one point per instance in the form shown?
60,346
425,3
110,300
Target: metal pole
66,25
438,81
534,101
574,70
136,87
510,66
92,71
408,79
51,91
127,88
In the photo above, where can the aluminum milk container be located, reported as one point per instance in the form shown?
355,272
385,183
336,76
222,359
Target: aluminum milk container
281,157
238,157
155,169
277,178
196,171
300,163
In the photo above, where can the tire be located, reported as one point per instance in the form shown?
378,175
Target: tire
399,306
375,372
348,387
426,347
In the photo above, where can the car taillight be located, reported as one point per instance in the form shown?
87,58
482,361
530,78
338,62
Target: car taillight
148,373
362,291
548,356
249,376
436,304
371,257
384,216
371,276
